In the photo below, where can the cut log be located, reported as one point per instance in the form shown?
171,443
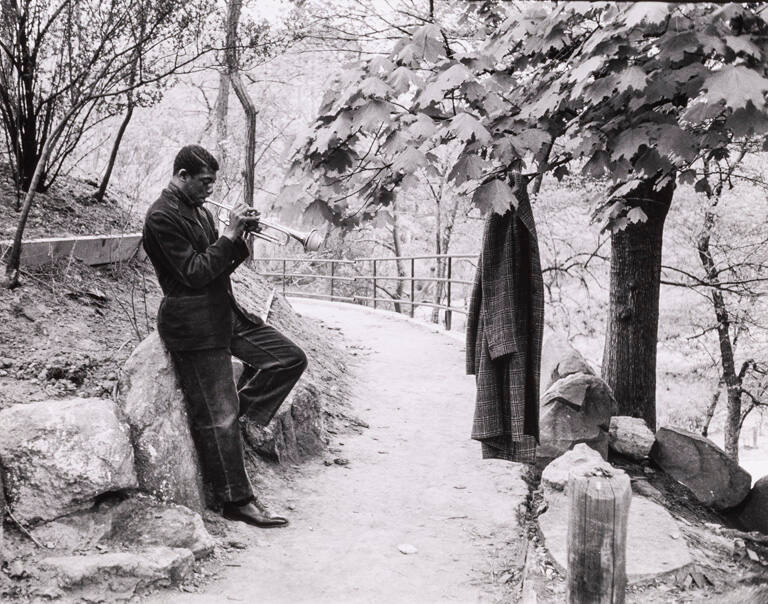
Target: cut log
597,538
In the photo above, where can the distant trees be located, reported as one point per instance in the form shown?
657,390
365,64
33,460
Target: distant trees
632,94
61,61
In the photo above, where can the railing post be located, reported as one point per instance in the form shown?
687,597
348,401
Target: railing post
448,297
413,270
374,284
333,271
597,538
283,277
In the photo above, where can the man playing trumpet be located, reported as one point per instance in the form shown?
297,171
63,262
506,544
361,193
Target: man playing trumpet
202,326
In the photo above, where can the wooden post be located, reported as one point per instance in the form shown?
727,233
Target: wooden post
413,269
374,284
448,313
597,538
283,278
333,270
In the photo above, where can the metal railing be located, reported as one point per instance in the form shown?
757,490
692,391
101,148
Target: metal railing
362,288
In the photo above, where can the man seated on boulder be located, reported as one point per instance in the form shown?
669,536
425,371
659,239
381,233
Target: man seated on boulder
202,326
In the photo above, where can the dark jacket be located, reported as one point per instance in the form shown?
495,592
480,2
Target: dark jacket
504,332
193,265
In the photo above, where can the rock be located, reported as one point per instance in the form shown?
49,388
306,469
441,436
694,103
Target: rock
150,397
407,549
295,433
116,575
702,466
135,522
59,455
651,547
753,514
559,359
582,460
631,436
575,409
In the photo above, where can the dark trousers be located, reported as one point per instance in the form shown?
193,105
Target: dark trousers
272,366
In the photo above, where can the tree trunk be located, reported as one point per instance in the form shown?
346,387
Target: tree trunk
629,356
233,71
730,377
399,263
99,196
439,262
14,257
221,110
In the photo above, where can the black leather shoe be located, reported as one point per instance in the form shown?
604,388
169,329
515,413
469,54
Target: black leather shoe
253,513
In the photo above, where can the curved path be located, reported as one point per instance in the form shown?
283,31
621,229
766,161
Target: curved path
414,478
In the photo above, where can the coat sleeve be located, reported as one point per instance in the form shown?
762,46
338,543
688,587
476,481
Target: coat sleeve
192,268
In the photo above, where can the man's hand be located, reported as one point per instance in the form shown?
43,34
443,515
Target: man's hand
242,219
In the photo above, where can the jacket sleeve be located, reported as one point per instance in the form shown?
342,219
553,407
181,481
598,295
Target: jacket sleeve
192,268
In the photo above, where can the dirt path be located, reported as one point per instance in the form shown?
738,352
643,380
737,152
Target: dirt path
413,478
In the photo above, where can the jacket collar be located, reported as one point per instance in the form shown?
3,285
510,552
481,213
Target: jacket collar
180,202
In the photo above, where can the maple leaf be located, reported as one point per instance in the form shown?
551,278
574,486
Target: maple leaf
687,177
465,126
530,139
629,141
317,213
371,115
428,42
736,85
740,44
380,64
422,127
496,196
646,12
584,69
676,143
636,215
409,160
401,79
747,121
374,87
632,78
468,167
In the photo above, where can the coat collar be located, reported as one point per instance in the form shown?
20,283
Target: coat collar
180,201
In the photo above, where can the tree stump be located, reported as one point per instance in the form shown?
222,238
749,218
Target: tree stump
597,538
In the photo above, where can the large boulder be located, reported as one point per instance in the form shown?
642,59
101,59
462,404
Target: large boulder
60,455
654,546
753,514
153,405
575,409
702,466
631,436
113,576
559,359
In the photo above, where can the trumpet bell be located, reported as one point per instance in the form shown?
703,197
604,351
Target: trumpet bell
313,241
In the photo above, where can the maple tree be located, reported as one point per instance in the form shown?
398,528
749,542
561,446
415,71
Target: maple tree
633,94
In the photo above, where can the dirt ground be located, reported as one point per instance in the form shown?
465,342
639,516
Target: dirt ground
413,481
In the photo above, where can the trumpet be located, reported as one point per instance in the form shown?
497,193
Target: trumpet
311,240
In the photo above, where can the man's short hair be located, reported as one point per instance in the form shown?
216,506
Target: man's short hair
193,158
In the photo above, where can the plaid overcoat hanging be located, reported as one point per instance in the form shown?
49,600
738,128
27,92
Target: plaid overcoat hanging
504,334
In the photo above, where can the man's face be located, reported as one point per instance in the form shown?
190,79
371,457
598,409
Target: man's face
199,186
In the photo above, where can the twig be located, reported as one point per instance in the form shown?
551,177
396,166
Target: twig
23,529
